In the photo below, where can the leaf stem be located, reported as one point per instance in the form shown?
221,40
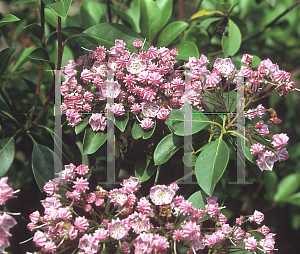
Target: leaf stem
157,175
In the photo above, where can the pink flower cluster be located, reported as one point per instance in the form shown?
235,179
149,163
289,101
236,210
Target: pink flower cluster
267,158
121,220
6,220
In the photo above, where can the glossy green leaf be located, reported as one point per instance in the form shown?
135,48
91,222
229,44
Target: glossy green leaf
150,21
232,41
211,164
42,162
105,34
144,168
248,154
198,198
35,29
186,49
80,127
8,19
165,149
148,133
189,159
92,141
136,131
126,17
176,121
41,55
7,154
90,13
61,8
166,8
5,56
256,61
135,14
241,24
205,12
170,33
121,121
22,58
293,199
287,186
53,49
196,34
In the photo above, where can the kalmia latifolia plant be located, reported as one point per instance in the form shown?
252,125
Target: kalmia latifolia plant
123,221
148,91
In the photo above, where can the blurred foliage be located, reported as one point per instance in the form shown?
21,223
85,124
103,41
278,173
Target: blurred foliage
267,29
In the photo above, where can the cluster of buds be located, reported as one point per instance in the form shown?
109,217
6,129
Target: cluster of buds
123,221
6,220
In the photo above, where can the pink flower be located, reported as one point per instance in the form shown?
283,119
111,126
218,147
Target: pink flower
226,229
250,114
160,243
282,154
191,231
86,76
264,230
137,43
35,217
89,244
119,109
224,67
82,170
212,80
49,247
210,240
73,118
257,217
125,247
131,185
118,229
64,213
260,111
280,140
88,96
178,235
161,195
257,149
100,234
163,114
81,185
144,206
81,224
282,76
266,160
135,108
250,244
118,197
153,52
262,128
139,222
147,123
247,59
39,238
255,78
97,122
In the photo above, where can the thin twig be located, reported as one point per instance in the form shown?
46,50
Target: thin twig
198,6
157,175
181,10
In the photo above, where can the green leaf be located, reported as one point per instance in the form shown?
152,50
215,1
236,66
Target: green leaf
92,141
170,33
165,149
211,165
5,56
135,14
22,58
176,121
293,199
121,121
61,8
7,154
198,198
148,133
53,49
8,19
35,29
270,181
136,131
205,12
50,18
196,34
90,13
41,55
43,164
287,186
105,34
186,49
144,168
189,159
248,154
150,22
231,43
126,17
79,128
166,8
